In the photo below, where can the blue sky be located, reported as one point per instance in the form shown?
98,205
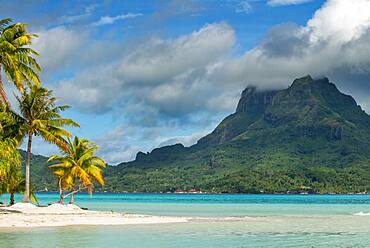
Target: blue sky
143,74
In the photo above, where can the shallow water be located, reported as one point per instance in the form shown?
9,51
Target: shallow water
279,221
218,205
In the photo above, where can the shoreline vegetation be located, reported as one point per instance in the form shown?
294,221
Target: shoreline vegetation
149,180
37,113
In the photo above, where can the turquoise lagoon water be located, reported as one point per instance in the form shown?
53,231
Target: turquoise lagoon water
213,205
276,221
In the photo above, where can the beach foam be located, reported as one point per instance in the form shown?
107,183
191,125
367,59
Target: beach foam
362,214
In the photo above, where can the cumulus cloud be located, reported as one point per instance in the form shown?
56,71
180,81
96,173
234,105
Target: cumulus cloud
94,91
160,60
57,46
274,3
340,21
105,20
166,74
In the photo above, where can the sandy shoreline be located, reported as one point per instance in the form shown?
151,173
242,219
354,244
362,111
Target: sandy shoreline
27,215
22,215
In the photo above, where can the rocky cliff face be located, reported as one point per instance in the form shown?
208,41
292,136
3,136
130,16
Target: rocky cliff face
253,100
251,106
315,108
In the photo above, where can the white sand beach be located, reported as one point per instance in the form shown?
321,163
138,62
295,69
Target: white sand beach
28,215
25,215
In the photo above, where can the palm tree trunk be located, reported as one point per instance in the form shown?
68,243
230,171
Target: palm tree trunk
60,191
72,198
26,197
2,92
11,202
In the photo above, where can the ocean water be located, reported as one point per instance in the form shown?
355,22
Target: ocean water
259,221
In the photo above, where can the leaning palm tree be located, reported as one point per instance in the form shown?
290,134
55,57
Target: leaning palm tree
16,57
78,168
40,116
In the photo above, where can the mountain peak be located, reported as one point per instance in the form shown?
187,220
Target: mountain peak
306,79
309,82
309,88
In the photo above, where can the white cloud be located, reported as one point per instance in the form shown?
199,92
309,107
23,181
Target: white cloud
160,60
88,87
167,74
274,3
340,21
105,20
57,46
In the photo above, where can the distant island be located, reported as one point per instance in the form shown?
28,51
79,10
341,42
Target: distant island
308,138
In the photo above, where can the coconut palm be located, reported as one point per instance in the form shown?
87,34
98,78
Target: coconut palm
16,57
40,116
10,163
10,167
78,168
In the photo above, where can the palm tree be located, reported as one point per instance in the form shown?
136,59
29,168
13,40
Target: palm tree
16,57
10,167
40,116
10,163
77,165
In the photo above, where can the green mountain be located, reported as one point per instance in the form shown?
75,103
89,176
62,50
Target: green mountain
308,137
